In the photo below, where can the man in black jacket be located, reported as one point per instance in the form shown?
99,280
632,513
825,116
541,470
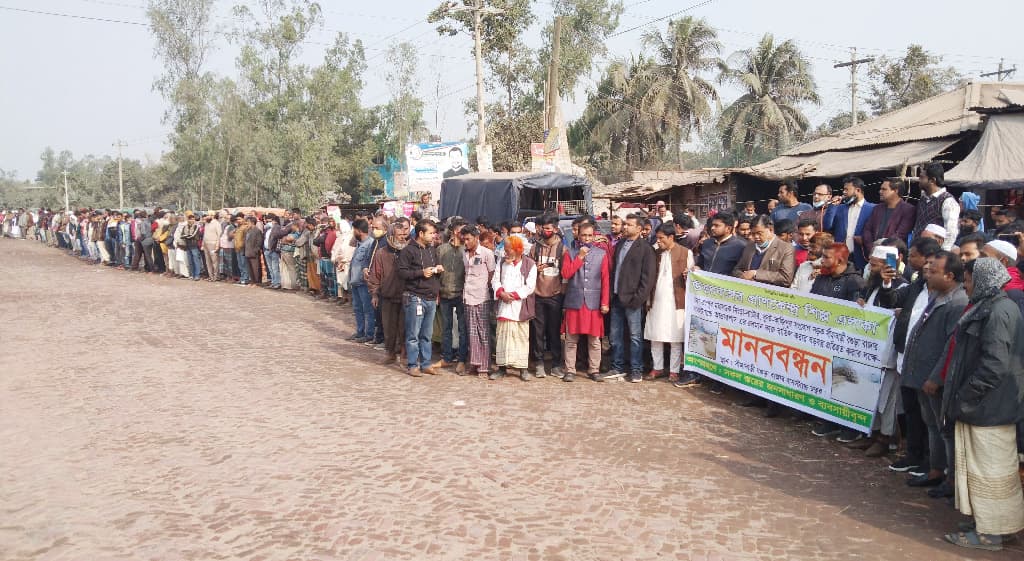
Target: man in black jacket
633,274
984,397
419,267
838,279
911,299
722,251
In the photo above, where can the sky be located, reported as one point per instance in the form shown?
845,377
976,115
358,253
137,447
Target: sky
83,84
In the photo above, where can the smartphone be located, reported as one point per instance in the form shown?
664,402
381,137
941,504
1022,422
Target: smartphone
892,261
1012,238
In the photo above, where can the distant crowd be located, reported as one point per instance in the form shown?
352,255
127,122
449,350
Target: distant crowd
519,300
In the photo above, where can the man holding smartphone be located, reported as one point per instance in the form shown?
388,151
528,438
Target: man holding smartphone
419,267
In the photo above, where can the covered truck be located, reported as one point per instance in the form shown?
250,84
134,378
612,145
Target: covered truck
514,196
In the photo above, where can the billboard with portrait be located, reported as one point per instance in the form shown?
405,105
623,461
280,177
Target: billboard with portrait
430,163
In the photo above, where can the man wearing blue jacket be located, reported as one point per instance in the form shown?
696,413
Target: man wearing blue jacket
846,221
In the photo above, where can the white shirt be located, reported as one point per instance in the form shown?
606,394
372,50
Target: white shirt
802,281
852,216
510,278
915,316
950,218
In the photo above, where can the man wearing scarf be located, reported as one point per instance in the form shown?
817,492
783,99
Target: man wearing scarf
984,398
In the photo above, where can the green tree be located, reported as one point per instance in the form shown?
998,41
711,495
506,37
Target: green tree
511,136
916,76
676,95
776,79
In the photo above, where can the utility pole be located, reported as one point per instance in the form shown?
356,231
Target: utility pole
120,177
854,61
67,203
1000,73
483,150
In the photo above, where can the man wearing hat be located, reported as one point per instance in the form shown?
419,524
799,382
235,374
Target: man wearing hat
664,214
935,232
1005,253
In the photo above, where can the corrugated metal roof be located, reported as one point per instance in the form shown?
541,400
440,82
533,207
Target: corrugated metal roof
997,162
941,116
666,181
840,163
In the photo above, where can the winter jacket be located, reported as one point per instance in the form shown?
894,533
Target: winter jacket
383,279
453,279
846,287
901,296
928,340
411,262
637,274
985,378
253,242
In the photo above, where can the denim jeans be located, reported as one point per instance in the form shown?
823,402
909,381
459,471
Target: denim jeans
453,307
362,306
273,259
243,266
621,317
419,330
195,262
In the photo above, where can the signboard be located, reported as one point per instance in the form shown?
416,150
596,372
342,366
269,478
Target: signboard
819,355
430,163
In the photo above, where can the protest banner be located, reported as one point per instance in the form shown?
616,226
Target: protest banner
819,355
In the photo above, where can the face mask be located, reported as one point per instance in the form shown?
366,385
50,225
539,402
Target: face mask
546,235
819,204
967,229
378,233
849,200
764,245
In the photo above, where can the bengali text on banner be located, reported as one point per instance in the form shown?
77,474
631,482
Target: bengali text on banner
816,354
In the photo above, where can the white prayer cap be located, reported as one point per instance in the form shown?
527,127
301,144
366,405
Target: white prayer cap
884,251
1004,248
937,230
531,227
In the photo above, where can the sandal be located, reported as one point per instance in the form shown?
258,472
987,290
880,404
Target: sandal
673,377
974,540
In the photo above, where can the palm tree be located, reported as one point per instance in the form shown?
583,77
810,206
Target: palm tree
777,78
675,93
616,119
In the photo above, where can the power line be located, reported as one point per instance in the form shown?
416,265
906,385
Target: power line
662,18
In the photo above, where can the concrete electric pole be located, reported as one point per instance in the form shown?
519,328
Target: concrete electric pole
120,177
483,150
67,202
854,61
1000,73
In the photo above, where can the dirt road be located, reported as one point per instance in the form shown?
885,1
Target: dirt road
150,418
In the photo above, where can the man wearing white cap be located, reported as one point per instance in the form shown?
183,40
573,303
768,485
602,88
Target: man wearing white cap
935,232
883,275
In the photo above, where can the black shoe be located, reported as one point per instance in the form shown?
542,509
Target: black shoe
904,465
610,375
569,377
924,481
941,491
636,377
847,436
495,375
825,428
716,387
686,380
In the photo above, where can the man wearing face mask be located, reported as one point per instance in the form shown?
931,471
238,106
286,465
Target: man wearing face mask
893,218
846,221
549,253
821,199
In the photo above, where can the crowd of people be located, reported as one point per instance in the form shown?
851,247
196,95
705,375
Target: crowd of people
503,299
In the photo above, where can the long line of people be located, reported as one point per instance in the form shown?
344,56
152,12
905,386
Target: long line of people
504,300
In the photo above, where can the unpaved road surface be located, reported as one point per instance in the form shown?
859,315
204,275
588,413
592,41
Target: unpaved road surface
149,418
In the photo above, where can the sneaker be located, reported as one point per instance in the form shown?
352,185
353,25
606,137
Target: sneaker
904,465
687,380
373,343
496,375
557,372
539,370
825,428
917,472
610,375
636,377
568,377
380,347
524,375
847,436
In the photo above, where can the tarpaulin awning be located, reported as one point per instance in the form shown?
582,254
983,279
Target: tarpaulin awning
840,163
497,195
997,162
